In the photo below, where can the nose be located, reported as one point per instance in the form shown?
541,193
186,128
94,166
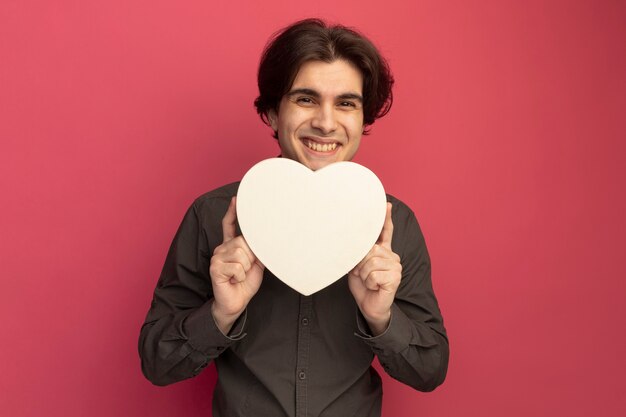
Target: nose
324,119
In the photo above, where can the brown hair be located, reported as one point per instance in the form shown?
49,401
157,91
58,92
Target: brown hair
314,40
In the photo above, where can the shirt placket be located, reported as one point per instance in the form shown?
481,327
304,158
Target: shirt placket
302,364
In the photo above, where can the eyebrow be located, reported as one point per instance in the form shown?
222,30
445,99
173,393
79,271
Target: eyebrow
313,93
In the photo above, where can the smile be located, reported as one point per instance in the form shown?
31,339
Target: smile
320,147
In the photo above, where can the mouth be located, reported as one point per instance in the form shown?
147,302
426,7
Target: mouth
320,146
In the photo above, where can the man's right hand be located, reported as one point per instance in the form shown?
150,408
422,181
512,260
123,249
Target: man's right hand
236,274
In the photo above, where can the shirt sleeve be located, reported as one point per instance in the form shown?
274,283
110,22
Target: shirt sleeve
179,337
414,348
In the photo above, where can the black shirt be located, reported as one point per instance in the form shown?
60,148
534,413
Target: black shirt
289,354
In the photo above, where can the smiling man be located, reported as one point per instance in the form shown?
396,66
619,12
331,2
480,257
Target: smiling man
279,353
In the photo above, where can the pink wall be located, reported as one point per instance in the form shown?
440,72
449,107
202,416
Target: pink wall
507,137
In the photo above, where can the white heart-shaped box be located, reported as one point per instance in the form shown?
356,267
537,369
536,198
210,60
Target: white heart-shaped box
308,227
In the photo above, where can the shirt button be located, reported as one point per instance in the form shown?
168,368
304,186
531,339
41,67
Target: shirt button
305,321
302,375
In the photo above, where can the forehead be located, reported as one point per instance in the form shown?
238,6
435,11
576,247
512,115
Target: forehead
334,78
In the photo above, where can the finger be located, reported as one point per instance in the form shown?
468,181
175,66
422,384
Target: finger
239,275
357,287
222,272
376,264
377,251
234,244
382,280
235,271
357,269
237,255
385,235
228,222
374,281
383,242
259,263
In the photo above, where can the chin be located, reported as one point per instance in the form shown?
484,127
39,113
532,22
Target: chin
319,165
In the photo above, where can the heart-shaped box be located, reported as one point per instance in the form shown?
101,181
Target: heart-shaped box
308,227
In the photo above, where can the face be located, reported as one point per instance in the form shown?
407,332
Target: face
320,120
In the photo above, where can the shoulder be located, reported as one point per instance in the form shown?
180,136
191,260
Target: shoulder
216,198
406,229
209,208
400,211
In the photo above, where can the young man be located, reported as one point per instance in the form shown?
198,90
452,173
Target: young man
279,353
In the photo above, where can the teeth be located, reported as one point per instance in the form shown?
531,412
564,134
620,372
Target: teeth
327,147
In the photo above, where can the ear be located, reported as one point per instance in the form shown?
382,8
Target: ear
272,118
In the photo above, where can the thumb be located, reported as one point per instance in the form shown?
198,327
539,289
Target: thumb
386,234
229,229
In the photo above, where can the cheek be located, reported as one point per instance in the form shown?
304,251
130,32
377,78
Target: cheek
289,125
354,147
354,123
355,128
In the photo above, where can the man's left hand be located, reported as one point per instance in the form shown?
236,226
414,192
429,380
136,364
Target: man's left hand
375,280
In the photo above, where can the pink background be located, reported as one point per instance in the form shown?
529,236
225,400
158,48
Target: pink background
507,138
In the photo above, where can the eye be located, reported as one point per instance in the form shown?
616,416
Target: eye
305,100
349,105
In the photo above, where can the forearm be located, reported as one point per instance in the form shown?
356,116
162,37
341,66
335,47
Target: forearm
421,368
224,322
180,345
378,325
411,352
